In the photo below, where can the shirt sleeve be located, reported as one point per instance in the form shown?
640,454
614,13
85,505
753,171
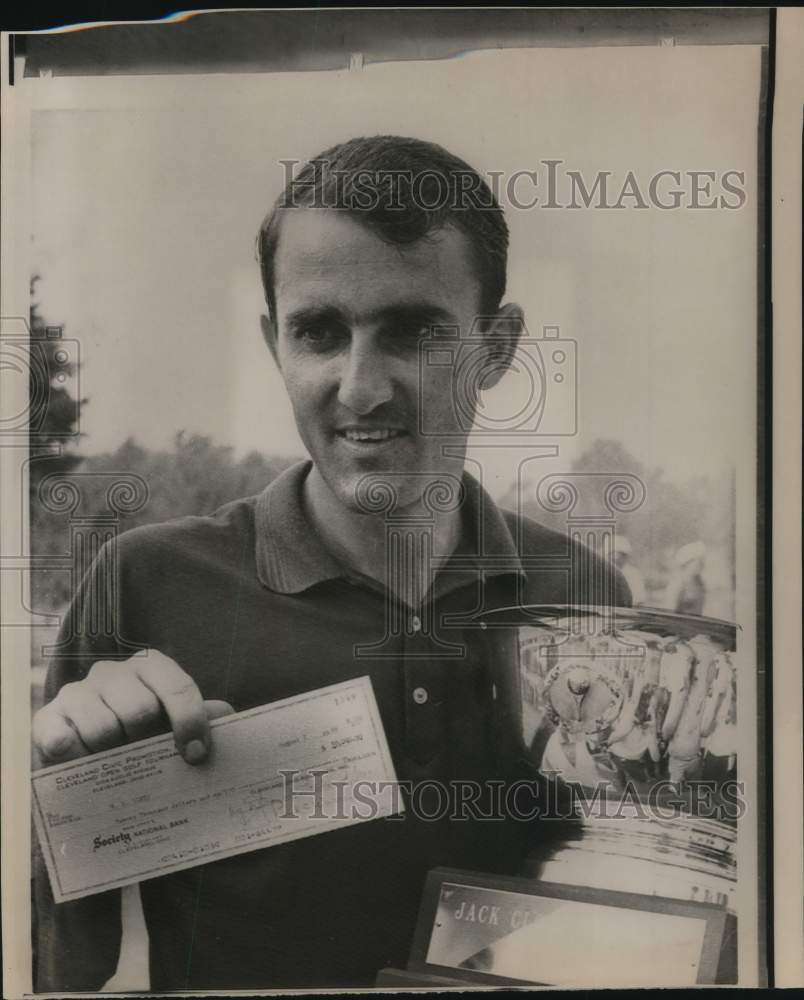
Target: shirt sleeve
76,944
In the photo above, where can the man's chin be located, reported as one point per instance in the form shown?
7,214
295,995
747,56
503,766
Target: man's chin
392,491
378,492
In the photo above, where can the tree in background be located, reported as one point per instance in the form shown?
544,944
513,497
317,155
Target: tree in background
54,411
196,476
672,515
53,437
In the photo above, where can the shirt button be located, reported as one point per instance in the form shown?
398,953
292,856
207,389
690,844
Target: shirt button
420,695
416,623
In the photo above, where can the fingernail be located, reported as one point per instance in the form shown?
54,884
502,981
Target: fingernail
194,752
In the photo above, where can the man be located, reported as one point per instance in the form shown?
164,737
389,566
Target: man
269,596
686,591
621,551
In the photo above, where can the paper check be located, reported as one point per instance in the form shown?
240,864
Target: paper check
140,811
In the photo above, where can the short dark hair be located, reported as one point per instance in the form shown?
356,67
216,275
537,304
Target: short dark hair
404,190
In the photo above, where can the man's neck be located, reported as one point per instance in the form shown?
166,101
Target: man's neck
359,540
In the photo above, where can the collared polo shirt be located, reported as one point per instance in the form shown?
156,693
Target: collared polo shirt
253,606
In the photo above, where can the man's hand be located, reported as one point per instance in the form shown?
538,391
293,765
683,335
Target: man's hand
119,702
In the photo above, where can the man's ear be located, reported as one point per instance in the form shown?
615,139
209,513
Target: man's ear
502,335
269,336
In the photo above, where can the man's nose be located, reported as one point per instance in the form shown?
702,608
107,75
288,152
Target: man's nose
365,381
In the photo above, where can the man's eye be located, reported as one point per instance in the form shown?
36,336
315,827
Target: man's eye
412,333
319,337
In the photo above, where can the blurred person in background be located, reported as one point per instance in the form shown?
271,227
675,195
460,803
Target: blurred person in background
686,590
621,555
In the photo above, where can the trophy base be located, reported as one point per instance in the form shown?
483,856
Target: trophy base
492,930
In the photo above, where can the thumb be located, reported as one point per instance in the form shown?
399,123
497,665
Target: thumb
217,709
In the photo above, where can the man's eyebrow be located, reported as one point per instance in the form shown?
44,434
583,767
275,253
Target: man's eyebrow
424,313
310,315
402,314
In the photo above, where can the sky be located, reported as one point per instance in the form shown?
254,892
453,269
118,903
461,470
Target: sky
147,193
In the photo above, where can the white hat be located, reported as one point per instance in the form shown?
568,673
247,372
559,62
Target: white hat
687,553
621,544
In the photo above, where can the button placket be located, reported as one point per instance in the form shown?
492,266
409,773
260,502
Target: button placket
423,708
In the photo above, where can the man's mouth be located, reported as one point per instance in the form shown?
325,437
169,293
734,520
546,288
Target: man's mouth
373,435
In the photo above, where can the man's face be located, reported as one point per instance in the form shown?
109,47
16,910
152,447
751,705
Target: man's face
351,310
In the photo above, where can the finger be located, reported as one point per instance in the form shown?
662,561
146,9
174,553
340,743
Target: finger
217,709
179,696
136,706
97,725
54,737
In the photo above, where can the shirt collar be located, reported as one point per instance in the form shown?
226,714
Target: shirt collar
291,557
